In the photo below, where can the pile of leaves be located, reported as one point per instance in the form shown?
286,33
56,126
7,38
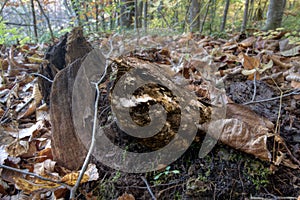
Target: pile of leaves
263,74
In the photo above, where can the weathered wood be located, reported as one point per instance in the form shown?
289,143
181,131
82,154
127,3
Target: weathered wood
55,56
67,149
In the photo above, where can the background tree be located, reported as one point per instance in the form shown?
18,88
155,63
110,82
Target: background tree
194,18
224,18
274,14
245,17
127,13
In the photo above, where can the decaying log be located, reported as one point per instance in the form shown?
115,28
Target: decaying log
55,56
66,148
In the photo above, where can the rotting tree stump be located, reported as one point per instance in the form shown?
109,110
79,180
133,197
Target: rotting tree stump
65,59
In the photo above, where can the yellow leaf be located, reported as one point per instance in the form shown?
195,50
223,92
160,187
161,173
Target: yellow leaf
71,178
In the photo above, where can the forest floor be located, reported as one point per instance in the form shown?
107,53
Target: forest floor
261,73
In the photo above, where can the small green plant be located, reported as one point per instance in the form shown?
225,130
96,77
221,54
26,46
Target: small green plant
116,176
166,172
257,174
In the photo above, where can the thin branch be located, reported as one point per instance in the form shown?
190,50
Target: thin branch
47,19
42,76
87,158
34,175
16,24
295,92
148,188
254,84
3,5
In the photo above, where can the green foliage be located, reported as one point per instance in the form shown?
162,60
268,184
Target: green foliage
166,173
293,36
257,173
11,35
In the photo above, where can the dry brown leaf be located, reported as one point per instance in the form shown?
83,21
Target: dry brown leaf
31,186
291,52
26,132
126,196
44,155
250,63
279,63
243,130
248,42
44,167
17,148
71,178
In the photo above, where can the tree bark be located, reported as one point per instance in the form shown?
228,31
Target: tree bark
3,5
76,8
145,15
136,15
205,16
274,14
245,17
47,20
224,19
127,12
194,15
34,20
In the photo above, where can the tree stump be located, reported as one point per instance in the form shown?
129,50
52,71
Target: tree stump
67,150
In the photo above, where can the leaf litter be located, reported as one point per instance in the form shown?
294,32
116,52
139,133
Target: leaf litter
265,127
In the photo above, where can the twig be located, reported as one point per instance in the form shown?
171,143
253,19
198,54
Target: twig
42,76
297,91
28,102
162,191
254,85
34,175
148,188
87,158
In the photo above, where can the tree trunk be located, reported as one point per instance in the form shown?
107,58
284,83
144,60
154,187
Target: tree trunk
205,16
136,15
34,20
140,13
145,15
223,24
245,17
127,12
213,9
47,20
274,14
194,15
2,7
97,16
76,8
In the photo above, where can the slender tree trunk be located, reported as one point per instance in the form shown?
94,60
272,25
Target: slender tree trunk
34,20
2,7
213,9
145,15
86,6
194,18
245,17
127,12
76,8
274,14
205,16
140,13
224,19
97,15
47,20
251,10
136,15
